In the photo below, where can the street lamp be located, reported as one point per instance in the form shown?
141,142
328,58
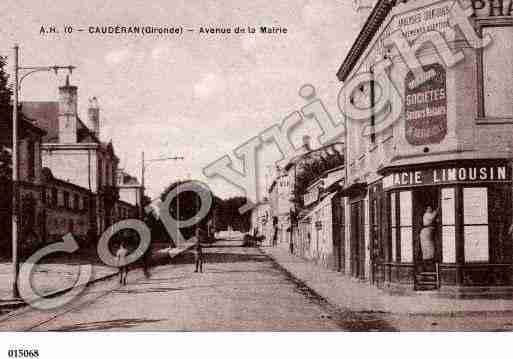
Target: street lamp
144,165
17,86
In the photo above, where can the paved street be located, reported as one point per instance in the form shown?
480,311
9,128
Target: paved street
241,289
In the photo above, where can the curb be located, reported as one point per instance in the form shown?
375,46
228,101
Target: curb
445,314
13,304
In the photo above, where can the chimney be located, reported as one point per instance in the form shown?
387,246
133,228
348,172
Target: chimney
307,143
363,9
67,113
93,114
119,176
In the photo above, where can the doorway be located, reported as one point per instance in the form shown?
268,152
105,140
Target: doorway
422,199
357,240
338,213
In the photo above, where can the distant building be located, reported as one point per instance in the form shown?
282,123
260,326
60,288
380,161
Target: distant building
280,195
130,190
261,222
317,176
319,235
74,152
31,213
66,210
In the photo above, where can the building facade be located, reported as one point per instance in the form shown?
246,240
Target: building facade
280,195
66,209
442,146
130,190
261,222
318,175
29,186
74,153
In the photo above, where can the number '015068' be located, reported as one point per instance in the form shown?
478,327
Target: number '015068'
23,353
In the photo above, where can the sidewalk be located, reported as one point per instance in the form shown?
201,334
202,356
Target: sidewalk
47,278
352,295
50,278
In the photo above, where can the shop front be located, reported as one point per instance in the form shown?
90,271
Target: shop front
444,226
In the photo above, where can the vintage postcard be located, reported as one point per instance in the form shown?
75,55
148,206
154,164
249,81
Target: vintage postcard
294,166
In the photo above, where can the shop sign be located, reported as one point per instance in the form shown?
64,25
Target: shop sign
447,175
311,196
489,8
432,18
426,107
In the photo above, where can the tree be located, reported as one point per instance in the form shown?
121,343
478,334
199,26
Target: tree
227,214
5,158
5,116
5,90
184,206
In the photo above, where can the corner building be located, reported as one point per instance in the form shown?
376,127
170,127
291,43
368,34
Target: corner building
449,146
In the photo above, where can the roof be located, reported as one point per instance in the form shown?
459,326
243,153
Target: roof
46,116
369,29
26,125
42,113
50,179
128,180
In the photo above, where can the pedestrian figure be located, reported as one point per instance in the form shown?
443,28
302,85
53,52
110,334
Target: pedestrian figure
122,264
198,256
198,253
427,241
146,259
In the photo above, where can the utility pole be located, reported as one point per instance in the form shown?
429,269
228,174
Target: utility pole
144,165
14,209
15,174
141,209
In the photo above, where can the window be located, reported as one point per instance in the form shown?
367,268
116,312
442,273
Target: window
448,225
100,172
475,224
497,70
31,159
65,195
372,85
55,196
76,202
393,226
405,223
401,226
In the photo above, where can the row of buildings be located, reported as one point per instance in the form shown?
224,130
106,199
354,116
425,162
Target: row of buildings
366,217
69,180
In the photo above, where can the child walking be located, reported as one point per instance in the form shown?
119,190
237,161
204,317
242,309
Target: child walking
122,265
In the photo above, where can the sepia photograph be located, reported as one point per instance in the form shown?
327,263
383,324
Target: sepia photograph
252,166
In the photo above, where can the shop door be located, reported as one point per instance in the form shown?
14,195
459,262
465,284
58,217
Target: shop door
357,240
377,251
422,199
338,234
426,275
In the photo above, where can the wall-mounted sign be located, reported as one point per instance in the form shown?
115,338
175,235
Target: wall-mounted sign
426,107
311,196
447,175
431,18
487,8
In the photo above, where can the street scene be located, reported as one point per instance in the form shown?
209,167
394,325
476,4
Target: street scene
242,289
163,173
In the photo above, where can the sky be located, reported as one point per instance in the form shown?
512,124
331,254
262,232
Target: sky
197,96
